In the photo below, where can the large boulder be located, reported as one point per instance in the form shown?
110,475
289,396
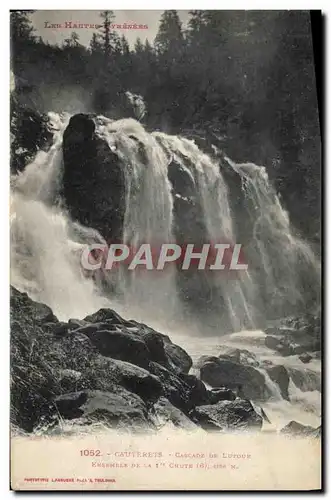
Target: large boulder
159,346
119,345
242,356
226,373
295,335
177,357
199,395
36,311
279,375
164,414
296,429
227,415
93,179
221,394
133,378
122,410
175,389
305,379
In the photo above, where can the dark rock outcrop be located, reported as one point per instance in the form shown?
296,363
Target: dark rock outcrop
306,380
242,356
175,389
103,358
295,335
121,373
93,179
224,372
165,414
120,409
305,358
227,415
296,429
279,375
221,394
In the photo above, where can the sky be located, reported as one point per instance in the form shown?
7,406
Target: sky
150,18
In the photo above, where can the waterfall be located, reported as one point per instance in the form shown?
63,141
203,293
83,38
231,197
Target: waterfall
148,216
46,244
237,294
289,272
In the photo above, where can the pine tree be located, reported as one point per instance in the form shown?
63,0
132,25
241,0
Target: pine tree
21,30
148,47
73,41
110,38
138,46
125,49
170,35
95,43
196,24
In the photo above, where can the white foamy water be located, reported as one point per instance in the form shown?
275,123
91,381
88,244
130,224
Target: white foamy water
46,248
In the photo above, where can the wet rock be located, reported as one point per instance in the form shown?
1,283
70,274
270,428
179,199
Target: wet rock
120,345
221,394
39,312
205,359
93,179
305,358
227,373
175,389
199,395
296,429
109,372
105,315
272,342
121,409
179,358
181,179
155,344
296,335
73,323
227,415
166,414
279,375
307,380
242,356
61,328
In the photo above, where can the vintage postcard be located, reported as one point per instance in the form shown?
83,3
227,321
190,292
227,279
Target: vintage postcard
165,179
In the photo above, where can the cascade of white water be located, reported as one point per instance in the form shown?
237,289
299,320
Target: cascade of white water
237,294
289,272
45,245
148,215
281,265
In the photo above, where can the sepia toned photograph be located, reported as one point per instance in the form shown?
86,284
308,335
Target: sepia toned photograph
165,250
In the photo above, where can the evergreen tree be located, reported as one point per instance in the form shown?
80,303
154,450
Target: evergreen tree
109,37
73,41
170,35
21,30
196,25
95,43
125,49
138,46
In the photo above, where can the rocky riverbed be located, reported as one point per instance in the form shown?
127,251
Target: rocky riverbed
126,375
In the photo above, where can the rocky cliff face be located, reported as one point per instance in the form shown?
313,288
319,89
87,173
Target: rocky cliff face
93,182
